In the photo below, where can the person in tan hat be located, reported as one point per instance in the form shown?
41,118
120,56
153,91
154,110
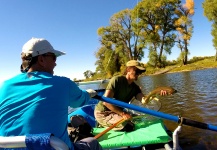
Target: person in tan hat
121,88
36,101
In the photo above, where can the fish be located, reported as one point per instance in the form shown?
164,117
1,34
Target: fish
157,91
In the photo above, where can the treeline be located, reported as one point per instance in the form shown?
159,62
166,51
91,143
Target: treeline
153,27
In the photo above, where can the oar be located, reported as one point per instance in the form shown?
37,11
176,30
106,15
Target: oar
109,128
181,120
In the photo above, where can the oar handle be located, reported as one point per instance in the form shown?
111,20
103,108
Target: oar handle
196,124
109,128
157,113
137,108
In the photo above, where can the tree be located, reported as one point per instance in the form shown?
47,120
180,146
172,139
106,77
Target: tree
120,40
88,74
210,11
184,27
158,18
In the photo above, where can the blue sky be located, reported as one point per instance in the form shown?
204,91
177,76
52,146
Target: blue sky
71,26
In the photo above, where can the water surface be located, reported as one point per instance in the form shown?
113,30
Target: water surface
196,99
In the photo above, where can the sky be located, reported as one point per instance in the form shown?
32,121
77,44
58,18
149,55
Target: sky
71,26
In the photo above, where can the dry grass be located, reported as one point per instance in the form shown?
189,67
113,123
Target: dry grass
197,64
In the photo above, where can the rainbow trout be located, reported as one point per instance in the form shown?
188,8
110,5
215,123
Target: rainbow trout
157,91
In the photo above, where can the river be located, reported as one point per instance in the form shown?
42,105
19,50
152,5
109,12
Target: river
196,99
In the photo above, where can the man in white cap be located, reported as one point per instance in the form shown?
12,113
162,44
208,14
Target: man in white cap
121,88
36,101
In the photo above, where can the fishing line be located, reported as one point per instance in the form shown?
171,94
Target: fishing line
104,79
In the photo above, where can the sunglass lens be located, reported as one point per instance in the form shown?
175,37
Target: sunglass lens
138,72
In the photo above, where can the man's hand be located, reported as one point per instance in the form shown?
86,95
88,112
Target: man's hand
144,100
126,116
91,92
163,92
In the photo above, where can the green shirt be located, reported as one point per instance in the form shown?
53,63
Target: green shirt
122,90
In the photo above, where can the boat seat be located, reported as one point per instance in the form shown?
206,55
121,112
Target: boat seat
32,141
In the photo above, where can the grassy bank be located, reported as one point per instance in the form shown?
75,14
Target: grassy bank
197,63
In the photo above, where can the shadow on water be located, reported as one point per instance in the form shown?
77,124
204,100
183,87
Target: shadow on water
196,99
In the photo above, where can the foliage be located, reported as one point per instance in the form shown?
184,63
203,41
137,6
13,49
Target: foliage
210,11
184,27
152,57
88,74
158,18
171,63
121,41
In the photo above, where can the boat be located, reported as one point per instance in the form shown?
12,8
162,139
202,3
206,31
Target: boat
148,134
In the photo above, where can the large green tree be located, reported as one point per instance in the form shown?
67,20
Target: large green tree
158,18
121,40
210,11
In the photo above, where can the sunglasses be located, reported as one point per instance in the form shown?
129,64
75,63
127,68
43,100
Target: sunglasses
139,72
54,57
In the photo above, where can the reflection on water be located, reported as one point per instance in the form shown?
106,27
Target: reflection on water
196,99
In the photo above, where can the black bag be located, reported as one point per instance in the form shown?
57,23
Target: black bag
79,128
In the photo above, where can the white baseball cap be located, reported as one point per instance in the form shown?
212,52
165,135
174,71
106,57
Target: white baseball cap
39,46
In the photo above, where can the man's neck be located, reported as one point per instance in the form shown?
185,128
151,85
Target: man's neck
129,80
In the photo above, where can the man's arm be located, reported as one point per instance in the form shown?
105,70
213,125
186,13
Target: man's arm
139,96
117,110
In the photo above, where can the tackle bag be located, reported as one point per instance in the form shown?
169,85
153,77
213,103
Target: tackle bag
79,128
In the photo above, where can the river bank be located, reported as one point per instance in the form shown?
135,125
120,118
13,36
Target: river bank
202,63
196,63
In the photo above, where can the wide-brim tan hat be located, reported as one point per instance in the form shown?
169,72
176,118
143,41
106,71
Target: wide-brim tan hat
136,64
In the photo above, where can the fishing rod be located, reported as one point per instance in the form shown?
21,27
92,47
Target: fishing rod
180,120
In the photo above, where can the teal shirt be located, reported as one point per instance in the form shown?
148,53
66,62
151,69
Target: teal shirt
122,90
37,102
